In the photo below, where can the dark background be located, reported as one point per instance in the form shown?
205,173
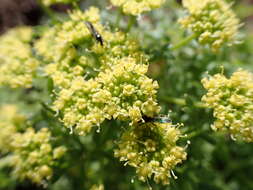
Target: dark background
27,12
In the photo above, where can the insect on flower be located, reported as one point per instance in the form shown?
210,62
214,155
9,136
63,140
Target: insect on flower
158,119
94,32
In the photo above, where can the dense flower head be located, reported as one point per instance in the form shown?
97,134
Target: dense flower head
34,156
122,92
136,7
132,92
72,50
70,44
10,122
51,2
95,82
17,65
213,22
151,148
231,100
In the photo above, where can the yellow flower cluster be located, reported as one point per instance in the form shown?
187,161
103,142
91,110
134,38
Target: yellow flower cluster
136,7
151,148
51,2
17,65
67,46
212,21
232,101
33,155
10,122
95,82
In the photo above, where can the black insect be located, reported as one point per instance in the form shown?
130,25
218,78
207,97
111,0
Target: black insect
157,119
94,32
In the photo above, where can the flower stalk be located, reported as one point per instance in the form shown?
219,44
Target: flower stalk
183,42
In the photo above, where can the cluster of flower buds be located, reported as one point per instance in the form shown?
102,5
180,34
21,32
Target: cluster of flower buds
18,66
136,7
33,155
212,21
231,100
151,148
10,122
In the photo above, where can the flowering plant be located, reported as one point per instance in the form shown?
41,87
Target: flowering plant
125,94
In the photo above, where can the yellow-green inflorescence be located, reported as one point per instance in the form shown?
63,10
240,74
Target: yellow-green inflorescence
51,2
232,101
34,157
136,7
152,149
17,65
30,153
10,122
95,82
212,21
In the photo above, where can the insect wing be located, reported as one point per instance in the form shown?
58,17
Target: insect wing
94,33
165,120
90,28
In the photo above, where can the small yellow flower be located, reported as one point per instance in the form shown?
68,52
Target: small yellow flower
135,114
128,90
59,152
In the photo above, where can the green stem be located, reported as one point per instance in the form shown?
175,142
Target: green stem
182,102
75,5
118,18
203,133
47,108
48,11
178,101
131,22
194,134
183,42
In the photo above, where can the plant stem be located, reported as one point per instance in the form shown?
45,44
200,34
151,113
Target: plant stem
178,101
194,134
48,11
75,5
131,21
183,42
182,102
118,18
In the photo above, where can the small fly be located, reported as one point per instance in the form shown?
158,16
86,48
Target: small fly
94,33
157,119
